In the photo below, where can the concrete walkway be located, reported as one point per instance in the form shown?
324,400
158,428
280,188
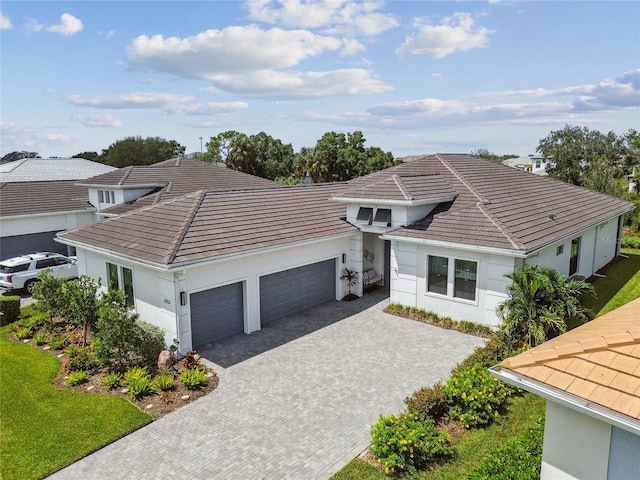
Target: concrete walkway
300,410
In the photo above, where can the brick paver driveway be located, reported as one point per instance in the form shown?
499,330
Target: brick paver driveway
300,410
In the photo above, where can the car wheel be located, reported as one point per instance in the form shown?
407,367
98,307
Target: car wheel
29,286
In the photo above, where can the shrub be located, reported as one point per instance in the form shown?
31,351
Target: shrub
40,338
475,397
135,373
193,379
37,320
9,309
191,360
24,332
57,343
520,459
490,354
49,294
630,242
111,380
164,383
77,378
429,402
151,340
408,442
80,358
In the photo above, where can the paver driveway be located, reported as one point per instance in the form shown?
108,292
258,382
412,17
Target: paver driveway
300,410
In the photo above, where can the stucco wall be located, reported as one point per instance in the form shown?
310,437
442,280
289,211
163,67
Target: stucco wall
23,225
576,446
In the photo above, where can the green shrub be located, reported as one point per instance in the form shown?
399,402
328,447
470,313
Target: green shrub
139,387
151,342
630,242
490,354
40,338
57,342
9,309
164,383
135,373
517,460
77,378
475,397
429,402
37,320
193,379
24,332
111,380
408,442
80,358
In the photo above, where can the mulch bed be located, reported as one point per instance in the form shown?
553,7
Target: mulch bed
156,405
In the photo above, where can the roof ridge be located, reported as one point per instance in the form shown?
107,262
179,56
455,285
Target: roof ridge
403,188
184,227
126,175
462,179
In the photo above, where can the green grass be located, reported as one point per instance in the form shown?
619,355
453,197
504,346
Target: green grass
621,285
472,448
43,428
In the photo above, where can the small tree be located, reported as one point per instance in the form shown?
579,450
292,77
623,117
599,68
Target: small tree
82,304
49,294
351,276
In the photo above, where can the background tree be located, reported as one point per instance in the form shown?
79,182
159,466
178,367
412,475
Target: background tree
487,155
140,151
574,151
93,156
13,156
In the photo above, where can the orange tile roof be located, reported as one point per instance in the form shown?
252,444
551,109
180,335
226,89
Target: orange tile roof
598,361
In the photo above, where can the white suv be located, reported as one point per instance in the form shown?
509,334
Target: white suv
22,272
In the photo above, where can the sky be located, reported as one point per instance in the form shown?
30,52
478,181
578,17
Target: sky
415,77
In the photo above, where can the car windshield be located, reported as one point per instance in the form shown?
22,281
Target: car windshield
14,268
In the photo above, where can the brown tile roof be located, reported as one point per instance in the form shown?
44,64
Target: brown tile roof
498,206
29,198
210,224
413,188
175,178
598,362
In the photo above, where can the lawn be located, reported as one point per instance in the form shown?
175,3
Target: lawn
472,448
42,428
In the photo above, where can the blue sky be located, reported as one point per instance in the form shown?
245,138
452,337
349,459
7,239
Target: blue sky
415,77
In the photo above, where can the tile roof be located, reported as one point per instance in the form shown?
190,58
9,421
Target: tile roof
598,361
498,206
209,224
414,188
42,169
29,198
175,178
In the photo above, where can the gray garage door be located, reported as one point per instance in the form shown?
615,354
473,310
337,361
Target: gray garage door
293,290
216,313
34,242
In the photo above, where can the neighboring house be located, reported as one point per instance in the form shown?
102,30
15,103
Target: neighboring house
439,232
38,198
590,377
532,164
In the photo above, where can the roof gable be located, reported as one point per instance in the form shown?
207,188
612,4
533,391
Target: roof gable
31,198
51,169
409,189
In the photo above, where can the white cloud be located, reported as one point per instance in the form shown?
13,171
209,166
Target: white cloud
231,50
455,34
69,25
129,100
5,22
97,120
296,85
211,108
33,26
107,35
334,16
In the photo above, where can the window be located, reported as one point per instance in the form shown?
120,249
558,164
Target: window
575,256
383,217
559,249
438,275
106,196
121,276
46,263
538,163
365,215
101,196
112,276
464,285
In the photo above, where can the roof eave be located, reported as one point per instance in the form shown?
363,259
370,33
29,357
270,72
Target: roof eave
47,214
396,203
458,246
573,402
123,187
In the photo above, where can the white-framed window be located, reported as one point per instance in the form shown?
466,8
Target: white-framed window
460,282
106,196
121,278
559,249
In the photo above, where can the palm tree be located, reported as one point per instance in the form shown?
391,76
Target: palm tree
540,303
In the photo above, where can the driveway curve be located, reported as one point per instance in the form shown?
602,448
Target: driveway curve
300,410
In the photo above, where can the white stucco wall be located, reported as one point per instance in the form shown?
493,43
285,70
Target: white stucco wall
576,446
27,224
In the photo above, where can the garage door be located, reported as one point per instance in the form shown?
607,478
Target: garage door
216,313
33,242
293,290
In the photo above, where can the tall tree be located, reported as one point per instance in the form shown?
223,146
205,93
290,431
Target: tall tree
13,156
93,156
574,150
141,151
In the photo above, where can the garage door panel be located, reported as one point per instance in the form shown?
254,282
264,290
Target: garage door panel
296,289
216,313
34,242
